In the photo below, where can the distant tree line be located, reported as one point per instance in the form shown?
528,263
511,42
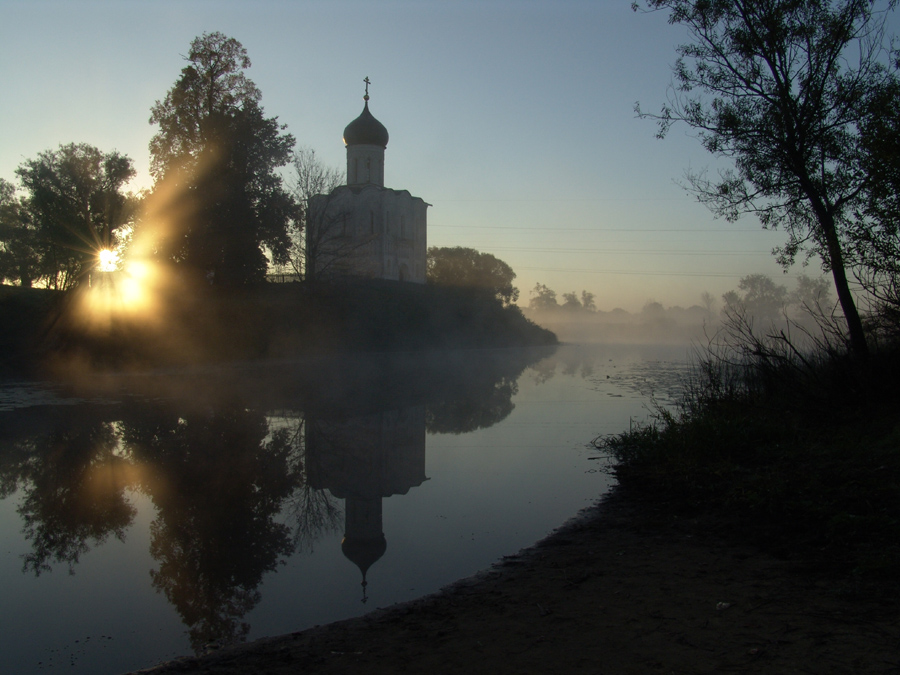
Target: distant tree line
757,296
544,298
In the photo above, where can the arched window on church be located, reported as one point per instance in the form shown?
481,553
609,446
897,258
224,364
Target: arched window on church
371,222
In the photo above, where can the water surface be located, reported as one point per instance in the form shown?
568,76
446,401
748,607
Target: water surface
148,516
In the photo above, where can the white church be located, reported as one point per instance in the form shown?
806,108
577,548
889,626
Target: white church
363,228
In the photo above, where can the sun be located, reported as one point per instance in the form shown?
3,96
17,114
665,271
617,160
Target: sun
107,260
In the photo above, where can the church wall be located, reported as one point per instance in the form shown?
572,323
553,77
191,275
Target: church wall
382,232
404,237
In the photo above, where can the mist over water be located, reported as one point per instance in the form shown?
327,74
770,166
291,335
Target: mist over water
149,515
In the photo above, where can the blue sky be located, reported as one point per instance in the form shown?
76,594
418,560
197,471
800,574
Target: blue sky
514,119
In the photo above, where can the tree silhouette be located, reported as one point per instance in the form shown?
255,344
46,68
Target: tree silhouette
587,301
215,160
73,208
758,297
782,88
20,258
877,237
543,298
466,267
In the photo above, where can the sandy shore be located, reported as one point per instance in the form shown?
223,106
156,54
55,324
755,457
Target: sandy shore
626,587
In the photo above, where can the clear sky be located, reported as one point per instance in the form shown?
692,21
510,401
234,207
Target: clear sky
513,118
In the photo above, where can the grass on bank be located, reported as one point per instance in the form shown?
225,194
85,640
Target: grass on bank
801,447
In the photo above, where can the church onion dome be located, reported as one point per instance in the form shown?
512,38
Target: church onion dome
366,130
363,552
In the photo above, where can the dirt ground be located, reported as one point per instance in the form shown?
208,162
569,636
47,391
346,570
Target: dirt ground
624,588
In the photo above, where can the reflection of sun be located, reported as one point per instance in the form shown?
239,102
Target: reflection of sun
107,260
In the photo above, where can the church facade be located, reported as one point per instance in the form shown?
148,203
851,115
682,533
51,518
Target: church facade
363,228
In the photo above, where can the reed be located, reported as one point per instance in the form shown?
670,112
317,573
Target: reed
792,436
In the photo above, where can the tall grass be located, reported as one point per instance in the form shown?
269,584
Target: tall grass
789,434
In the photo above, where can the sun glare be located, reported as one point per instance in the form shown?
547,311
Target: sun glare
127,290
107,260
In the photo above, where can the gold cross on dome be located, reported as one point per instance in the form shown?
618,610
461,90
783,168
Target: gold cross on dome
368,82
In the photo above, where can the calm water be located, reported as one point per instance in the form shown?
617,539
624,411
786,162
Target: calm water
147,517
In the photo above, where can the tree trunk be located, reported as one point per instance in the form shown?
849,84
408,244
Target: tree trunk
858,342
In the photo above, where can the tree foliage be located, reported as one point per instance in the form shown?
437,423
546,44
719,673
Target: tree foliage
73,207
782,88
543,298
571,301
459,266
19,255
587,301
760,298
215,159
877,235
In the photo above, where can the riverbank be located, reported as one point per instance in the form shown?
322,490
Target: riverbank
629,586
90,329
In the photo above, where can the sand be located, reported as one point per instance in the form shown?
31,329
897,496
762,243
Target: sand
626,587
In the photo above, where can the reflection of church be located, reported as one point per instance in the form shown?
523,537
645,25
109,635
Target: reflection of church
363,228
362,460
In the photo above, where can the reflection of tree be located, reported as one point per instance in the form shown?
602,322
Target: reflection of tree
74,485
475,392
544,370
485,405
224,480
569,362
313,512
218,481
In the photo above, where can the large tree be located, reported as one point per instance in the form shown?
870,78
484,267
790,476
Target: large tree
782,88
459,266
215,160
73,208
877,235
20,260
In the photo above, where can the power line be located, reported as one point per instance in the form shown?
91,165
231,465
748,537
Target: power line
593,230
629,251
584,200
736,275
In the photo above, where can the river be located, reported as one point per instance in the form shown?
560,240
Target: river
147,516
